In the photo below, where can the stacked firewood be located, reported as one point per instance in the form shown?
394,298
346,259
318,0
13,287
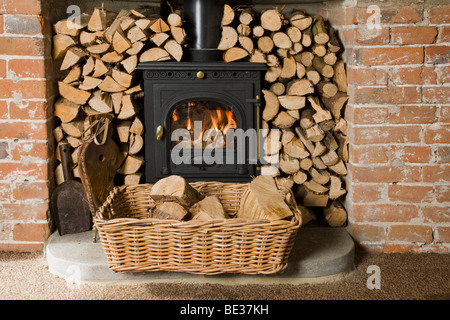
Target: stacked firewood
304,96
97,58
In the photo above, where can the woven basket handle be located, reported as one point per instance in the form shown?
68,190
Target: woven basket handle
108,202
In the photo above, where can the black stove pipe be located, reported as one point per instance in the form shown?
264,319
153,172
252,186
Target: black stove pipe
203,28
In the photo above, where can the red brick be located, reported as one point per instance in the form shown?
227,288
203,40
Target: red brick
4,112
439,14
407,14
369,154
29,110
367,192
366,76
366,115
413,35
386,134
4,150
443,154
442,74
21,46
385,174
30,190
31,232
410,194
442,234
434,214
387,95
27,68
9,171
389,56
363,35
384,212
437,54
35,150
27,89
411,154
23,130
401,248
444,114
25,211
368,232
1,23
439,95
3,70
428,75
412,114
410,233
22,247
437,134
28,25
436,173
444,34
21,7
442,193
406,75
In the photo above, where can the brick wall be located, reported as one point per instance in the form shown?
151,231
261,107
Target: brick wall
24,126
398,116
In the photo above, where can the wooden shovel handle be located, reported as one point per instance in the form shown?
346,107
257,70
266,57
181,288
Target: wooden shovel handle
64,150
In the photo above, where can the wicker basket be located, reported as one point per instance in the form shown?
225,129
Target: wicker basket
133,242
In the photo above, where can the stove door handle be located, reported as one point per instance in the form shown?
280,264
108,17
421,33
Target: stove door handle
159,132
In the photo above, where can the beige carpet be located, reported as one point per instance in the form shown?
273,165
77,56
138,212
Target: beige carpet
24,276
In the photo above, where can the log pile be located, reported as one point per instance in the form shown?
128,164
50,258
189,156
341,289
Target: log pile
305,92
97,59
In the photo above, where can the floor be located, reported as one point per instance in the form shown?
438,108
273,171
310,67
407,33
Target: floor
25,276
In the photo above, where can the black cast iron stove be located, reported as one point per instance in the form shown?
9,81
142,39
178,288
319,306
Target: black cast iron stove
192,107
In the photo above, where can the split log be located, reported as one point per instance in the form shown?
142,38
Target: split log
175,187
131,165
262,200
301,21
154,54
72,94
210,208
271,105
335,214
168,210
309,198
234,54
62,43
271,20
228,15
66,110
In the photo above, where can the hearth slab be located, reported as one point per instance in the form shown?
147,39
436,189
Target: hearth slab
320,254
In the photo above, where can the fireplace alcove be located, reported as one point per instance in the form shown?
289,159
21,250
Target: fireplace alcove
318,252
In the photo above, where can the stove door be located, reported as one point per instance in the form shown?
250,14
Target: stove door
206,132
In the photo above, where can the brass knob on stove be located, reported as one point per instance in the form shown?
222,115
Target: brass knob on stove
200,74
159,132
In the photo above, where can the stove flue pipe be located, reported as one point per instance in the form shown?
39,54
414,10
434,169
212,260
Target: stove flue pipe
203,28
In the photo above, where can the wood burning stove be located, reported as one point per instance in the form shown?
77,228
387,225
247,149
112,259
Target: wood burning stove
192,107
201,119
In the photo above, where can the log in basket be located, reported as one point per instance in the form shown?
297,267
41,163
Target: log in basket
133,242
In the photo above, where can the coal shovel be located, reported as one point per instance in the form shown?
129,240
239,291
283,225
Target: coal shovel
69,206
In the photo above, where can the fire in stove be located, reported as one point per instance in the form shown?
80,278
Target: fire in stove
202,124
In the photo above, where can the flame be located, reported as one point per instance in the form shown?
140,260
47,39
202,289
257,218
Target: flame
215,123
174,115
231,122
